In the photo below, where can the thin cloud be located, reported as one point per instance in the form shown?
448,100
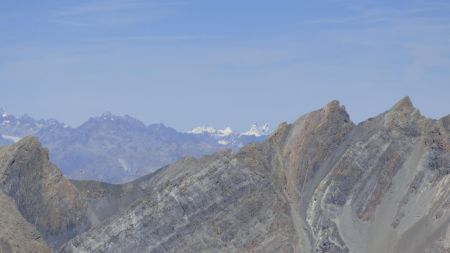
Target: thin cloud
115,12
363,14
97,7
421,34
159,38
251,57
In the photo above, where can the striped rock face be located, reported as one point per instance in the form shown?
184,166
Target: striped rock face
320,184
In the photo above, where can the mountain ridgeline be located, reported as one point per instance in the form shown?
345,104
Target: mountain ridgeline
117,149
320,184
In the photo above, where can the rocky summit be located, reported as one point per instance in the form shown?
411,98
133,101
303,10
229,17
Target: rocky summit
32,186
320,184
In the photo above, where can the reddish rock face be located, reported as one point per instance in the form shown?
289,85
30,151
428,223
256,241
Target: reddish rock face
320,184
16,234
42,194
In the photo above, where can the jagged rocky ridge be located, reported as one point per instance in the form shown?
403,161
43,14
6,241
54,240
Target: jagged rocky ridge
320,184
114,148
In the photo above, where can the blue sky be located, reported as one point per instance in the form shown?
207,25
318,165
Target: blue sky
223,63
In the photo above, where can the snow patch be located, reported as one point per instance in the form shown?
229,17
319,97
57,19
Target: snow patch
123,164
11,138
254,130
257,131
225,132
212,131
223,142
203,130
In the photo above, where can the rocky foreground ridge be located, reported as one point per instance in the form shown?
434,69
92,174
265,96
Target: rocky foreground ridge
320,184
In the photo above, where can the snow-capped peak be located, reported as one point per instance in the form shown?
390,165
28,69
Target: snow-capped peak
265,128
224,132
203,130
211,131
256,130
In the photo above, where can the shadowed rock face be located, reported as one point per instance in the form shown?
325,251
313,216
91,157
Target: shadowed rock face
321,184
16,234
42,195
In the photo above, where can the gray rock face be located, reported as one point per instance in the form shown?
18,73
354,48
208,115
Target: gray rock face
105,199
198,205
321,184
16,234
42,195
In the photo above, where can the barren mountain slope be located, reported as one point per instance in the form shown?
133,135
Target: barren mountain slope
41,193
320,184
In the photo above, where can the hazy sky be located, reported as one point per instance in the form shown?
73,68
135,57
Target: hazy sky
223,63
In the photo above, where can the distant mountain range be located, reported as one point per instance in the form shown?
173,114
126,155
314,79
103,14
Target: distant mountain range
320,184
117,149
